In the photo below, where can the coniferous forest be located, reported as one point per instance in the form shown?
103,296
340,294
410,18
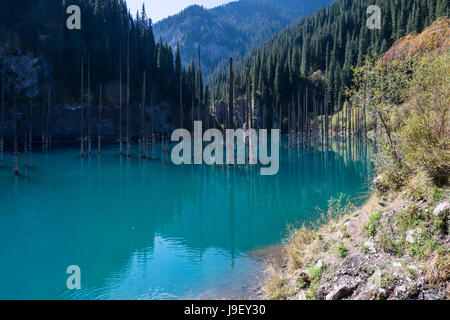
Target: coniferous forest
248,151
321,50
108,28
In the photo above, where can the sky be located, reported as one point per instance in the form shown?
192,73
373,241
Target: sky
160,9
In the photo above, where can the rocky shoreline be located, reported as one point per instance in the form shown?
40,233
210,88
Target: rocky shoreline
346,260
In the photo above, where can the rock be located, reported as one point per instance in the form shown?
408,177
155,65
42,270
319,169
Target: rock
410,237
319,264
401,288
412,234
397,264
379,184
442,210
370,246
341,291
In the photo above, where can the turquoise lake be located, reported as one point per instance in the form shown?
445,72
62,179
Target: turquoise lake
148,230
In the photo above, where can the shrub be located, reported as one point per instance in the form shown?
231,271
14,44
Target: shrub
371,226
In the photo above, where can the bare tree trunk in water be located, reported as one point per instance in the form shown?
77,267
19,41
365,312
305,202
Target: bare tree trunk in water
298,116
81,112
143,127
16,159
326,118
43,124
199,85
128,96
99,139
2,120
30,137
349,120
364,122
280,122
120,102
47,140
152,117
89,137
25,149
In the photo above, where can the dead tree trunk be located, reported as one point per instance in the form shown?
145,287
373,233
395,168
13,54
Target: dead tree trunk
47,140
151,116
81,112
25,149
298,117
230,98
181,98
30,135
43,124
143,126
89,133
120,103
2,120
326,118
375,127
199,88
364,123
16,152
128,96
349,120
99,138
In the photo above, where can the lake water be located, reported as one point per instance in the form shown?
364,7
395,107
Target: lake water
144,230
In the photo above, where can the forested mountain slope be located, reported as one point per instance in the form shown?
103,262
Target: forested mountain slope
332,41
231,29
37,29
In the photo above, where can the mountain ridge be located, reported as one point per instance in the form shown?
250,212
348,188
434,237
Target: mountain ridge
231,29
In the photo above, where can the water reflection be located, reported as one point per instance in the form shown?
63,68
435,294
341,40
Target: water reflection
141,229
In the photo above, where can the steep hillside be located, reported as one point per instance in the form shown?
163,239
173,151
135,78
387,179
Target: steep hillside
231,29
333,41
397,245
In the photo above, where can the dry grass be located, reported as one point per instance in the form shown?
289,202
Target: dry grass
433,41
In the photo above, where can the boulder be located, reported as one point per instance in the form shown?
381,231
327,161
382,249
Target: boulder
442,210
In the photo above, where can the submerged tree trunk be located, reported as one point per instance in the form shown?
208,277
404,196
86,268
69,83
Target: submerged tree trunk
99,139
143,126
89,133
2,115
349,120
128,96
16,155
326,117
152,117
30,135
47,140
364,123
43,124
25,149
120,102
199,87
81,112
